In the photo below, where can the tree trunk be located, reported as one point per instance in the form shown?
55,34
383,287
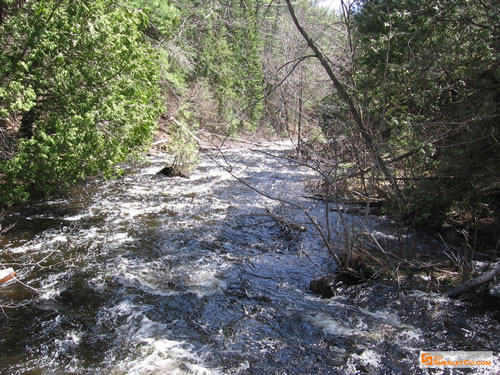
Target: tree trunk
299,130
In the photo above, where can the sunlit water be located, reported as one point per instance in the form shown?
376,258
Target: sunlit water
152,275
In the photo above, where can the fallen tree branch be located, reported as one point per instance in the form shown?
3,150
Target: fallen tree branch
3,230
285,223
374,202
474,283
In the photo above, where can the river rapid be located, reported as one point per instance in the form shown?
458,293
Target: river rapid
152,275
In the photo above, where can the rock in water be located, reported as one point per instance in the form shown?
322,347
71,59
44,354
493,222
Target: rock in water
324,286
172,171
333,284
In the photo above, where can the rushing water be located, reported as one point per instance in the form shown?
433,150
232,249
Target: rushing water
152,275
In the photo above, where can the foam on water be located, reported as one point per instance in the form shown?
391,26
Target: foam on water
332,326
120,237
162,356
204,282
155,353
368,359
50,287
74,217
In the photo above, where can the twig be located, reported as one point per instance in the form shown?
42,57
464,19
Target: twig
26,285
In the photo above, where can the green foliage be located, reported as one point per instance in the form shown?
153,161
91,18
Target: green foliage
229,50
163,17
429,51
211,67
162,20
82,83
215,42
428,73
182,144
317,136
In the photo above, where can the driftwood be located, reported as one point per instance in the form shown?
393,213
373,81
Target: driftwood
3,230
160,142
285,223
474,283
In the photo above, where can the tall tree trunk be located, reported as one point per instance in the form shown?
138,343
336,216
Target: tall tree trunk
299,131
347,98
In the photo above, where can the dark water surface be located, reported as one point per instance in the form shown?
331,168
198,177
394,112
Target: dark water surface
150,275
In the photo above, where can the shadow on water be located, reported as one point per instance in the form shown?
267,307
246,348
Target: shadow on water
145,275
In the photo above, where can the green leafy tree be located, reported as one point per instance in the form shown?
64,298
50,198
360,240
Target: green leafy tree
429,73
80,84
225,43
211,69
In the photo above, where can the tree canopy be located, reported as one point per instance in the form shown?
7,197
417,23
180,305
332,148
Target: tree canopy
79,85
430,74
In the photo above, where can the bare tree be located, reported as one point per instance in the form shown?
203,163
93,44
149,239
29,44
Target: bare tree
348,99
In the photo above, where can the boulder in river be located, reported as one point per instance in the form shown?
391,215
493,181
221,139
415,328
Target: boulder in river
173,171
332,284
324,286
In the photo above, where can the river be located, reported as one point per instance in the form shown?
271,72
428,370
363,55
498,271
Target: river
152,275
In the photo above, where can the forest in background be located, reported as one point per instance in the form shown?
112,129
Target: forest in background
389,100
